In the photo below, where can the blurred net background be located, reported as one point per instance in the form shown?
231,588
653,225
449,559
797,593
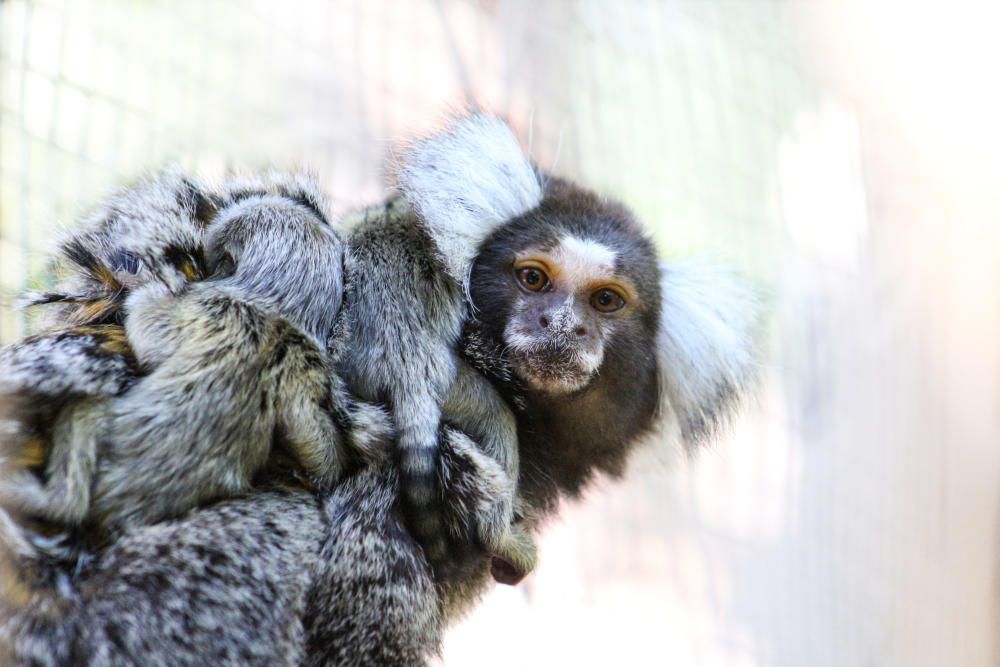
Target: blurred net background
838,151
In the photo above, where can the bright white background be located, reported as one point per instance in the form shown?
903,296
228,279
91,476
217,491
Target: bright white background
842,153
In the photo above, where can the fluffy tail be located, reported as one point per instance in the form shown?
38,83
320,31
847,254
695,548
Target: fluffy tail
418,463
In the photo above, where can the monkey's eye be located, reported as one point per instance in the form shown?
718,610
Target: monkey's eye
123,260
532,278
607,300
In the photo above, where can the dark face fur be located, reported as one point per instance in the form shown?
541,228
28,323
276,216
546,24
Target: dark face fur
580,340
562,285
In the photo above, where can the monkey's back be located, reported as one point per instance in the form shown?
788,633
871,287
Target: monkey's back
403,309
202,422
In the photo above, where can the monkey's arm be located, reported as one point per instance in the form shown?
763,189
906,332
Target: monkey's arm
312,413
476,409
64,496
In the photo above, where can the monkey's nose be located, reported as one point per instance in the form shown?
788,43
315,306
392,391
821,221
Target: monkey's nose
580,331
543,321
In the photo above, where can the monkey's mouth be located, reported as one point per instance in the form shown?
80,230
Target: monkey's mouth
552,369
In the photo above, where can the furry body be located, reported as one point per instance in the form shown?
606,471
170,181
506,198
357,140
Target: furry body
227,364
345,583
405,306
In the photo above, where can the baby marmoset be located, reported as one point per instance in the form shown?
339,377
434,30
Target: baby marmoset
229,364
56,387
405,307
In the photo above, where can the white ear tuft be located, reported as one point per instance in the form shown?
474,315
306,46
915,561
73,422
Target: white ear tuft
705,346
464,181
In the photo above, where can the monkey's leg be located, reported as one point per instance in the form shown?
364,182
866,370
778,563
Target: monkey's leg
312,436
65,495
514,557
474,406
486,517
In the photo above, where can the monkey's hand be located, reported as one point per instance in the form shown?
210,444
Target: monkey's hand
484,515
315,442
516,556
370,432
154,323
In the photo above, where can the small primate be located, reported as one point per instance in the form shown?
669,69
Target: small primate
594,345
405,307
56,388
556,294
229,366
152,230
342,583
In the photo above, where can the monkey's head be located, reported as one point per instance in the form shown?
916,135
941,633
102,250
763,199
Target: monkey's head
149,232
569,289
568,297
281,254
155,231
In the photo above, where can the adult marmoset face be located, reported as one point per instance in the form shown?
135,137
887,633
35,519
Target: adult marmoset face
571,290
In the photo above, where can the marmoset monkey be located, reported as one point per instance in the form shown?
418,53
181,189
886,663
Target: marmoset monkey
596,345
56,387
405,307
359,591
231,364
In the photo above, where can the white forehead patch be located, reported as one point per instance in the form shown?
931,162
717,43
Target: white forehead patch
583,260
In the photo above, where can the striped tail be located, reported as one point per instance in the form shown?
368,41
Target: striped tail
419,461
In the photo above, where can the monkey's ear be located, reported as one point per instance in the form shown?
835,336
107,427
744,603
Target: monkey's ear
464,181
706,350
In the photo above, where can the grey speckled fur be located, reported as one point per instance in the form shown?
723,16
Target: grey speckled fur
225,363
405,306
339,580
235,359
275,578
225,586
